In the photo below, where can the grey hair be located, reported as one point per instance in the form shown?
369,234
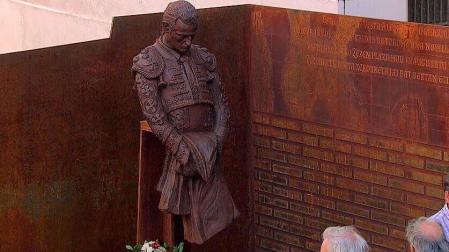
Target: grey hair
344,239
423,242
182,10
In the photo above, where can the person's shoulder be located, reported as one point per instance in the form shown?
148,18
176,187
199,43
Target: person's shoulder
149,63
204,57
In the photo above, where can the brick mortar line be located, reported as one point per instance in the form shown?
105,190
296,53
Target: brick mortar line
304,238
431,172
333,127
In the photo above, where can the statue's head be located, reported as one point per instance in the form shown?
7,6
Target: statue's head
179,25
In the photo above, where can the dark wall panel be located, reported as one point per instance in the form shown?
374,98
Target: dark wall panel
69,136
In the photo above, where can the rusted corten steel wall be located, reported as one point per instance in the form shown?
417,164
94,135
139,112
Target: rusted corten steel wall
69,130
350,126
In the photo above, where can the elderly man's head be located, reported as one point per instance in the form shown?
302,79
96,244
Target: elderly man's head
425,235
343,239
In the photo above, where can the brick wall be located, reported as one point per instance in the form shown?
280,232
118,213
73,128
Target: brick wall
310,176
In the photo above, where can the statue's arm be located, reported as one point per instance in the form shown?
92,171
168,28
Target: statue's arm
221,109
155,115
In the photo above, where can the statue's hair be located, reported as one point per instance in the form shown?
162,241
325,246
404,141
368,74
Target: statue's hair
182,10
345,238
426,242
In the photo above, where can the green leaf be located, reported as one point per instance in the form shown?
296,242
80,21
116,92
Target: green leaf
138,247
181,247
165,245
129,247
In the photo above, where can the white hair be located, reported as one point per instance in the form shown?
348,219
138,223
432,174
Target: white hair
344,239
426,239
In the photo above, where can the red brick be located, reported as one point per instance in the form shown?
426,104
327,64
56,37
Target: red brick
405,160
424,151
437,166
369,152
262,164
291,194
264,210
337,217
419,200
303,162
336,169
264,232
262,186
305,232
310,245
319,201
371,201
406,210
386,168
396,233
350,137
352,209
360,162
318,130
388,242
387,218
446,156
272,132
262,141
429,212
287,170
318,154
424,177
288,216
272,200
261,118
370,177
285,123
288,238
303,138
343,159
385,143
342,147
406,185
316,223
336,193
287,147
274,246
304,186
435,192
318,177
273,223
305,209
371,226
329,143
352,185
388,193
273,155
273,178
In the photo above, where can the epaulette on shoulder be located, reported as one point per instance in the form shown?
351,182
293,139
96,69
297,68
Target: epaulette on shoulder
149,63
204,57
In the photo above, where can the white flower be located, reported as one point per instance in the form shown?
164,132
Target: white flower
146,248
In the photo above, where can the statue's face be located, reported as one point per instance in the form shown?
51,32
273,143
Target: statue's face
180,36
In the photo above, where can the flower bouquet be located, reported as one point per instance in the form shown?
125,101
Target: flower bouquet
155,246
